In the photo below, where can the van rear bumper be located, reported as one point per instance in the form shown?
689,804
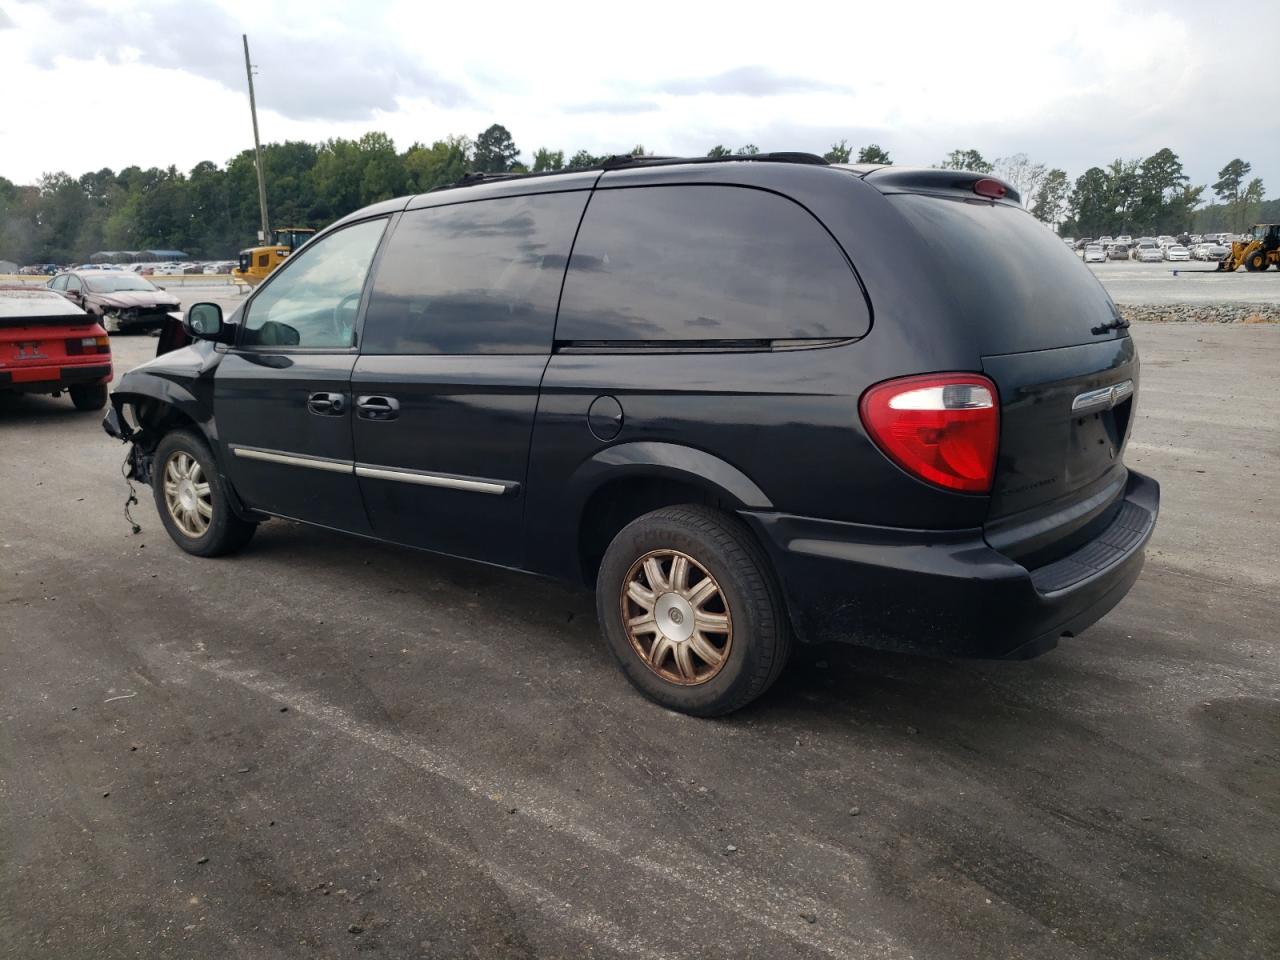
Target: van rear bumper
948,592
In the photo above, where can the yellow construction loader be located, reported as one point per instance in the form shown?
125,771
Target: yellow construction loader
256,263
1260,251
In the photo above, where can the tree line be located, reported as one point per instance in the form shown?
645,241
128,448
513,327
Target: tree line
212,211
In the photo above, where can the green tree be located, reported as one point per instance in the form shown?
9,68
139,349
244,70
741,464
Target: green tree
872,153
63,208
839,153
495,151
585,158
1092,204
750,150
1160,183
966,160
1237,195
719,150
544,159
1125,190
1051,199
1250,201
384,175
444,162
1230,180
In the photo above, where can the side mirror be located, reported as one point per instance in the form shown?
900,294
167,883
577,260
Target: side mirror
203,321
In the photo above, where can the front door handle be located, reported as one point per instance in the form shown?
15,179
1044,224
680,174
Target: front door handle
327,404
377,408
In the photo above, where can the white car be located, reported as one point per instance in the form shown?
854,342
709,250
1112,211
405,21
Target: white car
1094,253
1124,238
1148,253
1176,251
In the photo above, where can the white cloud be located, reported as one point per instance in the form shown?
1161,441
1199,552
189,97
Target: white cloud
157,83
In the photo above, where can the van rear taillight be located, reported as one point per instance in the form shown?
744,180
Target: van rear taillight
943,428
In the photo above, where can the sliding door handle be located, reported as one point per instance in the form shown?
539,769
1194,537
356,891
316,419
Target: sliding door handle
377,408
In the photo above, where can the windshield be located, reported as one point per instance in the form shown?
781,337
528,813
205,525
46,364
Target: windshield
115,282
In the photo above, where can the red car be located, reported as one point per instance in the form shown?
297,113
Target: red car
48,345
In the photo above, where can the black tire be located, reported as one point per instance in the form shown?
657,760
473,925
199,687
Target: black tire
89,396
1256,262
225,532
721,548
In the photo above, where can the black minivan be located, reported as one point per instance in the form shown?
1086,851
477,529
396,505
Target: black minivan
745,400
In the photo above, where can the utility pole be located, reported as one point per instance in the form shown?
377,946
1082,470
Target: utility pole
257,146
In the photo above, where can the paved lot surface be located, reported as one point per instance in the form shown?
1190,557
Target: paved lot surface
1194,282
327,748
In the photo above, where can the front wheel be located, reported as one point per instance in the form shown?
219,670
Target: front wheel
92,396
1256,263
689,606
189,497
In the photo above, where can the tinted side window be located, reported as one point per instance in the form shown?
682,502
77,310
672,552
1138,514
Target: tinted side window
480,277
59,283
313,299
74,284
706,263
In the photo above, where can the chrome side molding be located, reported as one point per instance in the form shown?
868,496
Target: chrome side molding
372,472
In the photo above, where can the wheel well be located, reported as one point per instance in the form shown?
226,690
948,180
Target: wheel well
156,418
619,502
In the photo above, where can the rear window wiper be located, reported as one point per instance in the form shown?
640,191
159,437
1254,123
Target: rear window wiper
1113,325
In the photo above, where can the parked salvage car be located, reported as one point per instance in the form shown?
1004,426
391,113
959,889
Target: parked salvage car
48,345
1148,252
1118,251
1176,251
1094,253
122,300
662,379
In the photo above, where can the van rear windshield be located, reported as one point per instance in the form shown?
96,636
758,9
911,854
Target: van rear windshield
1007,275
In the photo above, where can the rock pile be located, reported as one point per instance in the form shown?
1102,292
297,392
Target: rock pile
1201,312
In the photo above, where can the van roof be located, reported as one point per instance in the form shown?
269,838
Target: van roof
885,177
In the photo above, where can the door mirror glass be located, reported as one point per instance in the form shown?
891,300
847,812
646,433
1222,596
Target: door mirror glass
203,321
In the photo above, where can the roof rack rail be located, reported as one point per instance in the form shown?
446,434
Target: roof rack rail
781,156
621,160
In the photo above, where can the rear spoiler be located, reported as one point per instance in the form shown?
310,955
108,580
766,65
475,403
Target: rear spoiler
45,320
891,179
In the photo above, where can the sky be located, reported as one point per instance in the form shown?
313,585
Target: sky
161,82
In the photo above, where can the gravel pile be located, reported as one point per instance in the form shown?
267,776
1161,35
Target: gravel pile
1202,312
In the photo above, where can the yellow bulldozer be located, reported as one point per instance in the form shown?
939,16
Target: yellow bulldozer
1260,251
256,263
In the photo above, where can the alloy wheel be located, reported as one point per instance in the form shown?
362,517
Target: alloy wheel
676,617
187,494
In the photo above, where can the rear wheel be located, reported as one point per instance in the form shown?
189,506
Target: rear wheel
1256,262
688,604
89,396
189,497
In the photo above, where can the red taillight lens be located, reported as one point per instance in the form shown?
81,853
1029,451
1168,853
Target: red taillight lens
986,187
943,428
